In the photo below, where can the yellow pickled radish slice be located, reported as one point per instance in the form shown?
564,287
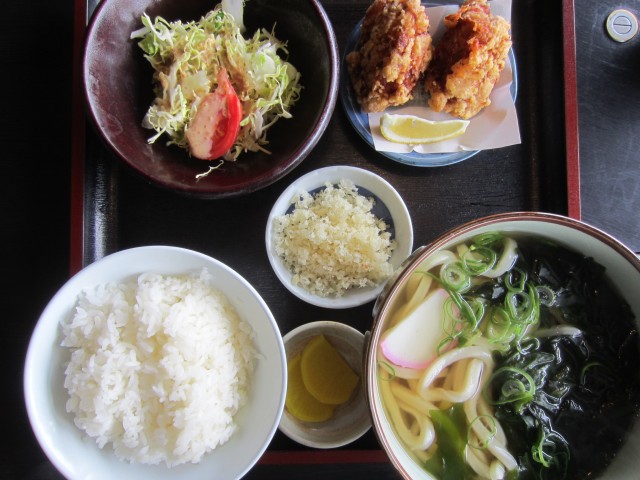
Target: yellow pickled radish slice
326,375
298,401
415,130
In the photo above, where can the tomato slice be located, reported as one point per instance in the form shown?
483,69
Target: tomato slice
215,126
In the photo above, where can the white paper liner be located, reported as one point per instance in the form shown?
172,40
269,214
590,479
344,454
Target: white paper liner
494,127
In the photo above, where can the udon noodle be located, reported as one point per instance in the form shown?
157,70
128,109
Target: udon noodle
500,308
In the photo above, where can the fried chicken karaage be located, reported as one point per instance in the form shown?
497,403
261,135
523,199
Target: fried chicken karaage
468,60
393,52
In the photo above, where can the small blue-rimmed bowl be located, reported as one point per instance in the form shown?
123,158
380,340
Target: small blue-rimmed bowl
389,207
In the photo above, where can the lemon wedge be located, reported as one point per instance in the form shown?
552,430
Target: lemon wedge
415,130
326,375
298,401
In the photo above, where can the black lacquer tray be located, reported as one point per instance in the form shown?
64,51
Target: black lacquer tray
113,209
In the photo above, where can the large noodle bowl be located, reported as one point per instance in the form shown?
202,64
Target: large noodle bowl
509,356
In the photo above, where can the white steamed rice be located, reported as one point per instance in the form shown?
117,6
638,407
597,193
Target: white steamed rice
159,367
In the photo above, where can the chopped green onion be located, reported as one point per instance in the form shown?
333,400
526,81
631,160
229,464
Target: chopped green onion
498,327
588,366
455,277
546,450
519,306
443,343
537,451
493,430
515,280
546,295
452,322
388,369
523,308
528,344
487,239
478,259
468,313
513,390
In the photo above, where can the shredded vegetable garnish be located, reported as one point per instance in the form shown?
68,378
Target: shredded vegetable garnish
186,58
209,170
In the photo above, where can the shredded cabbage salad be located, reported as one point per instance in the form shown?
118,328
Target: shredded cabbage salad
186,58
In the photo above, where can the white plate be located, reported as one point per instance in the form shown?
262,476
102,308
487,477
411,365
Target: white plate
74,454
389,207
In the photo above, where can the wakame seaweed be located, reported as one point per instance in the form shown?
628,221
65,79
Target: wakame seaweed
586,393
448,462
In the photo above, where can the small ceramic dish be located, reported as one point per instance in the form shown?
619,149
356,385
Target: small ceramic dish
350,420
389,207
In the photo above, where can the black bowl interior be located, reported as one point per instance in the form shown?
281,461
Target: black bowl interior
119,90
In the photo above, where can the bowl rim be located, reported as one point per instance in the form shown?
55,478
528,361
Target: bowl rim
38,411
376,185
385,298
255,184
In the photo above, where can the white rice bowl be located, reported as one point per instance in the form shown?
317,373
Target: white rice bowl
223,444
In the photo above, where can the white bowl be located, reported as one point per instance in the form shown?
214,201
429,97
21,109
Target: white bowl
77,456
623,269
351,420
385,194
